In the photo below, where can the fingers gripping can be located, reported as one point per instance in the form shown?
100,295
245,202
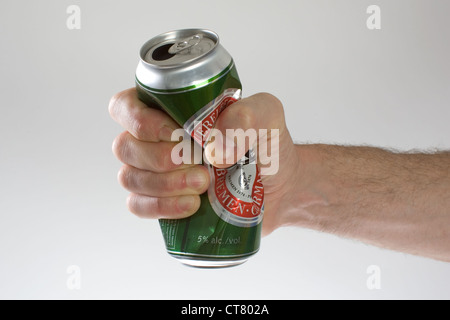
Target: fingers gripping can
189,75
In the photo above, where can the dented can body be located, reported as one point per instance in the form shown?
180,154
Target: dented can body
190,76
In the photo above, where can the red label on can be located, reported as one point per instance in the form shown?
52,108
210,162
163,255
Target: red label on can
250,190
203,127
237,193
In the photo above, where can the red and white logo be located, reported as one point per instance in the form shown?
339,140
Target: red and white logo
236,193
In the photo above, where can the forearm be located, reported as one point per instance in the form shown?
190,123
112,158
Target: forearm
396,201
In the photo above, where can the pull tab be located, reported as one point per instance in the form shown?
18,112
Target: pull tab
185,44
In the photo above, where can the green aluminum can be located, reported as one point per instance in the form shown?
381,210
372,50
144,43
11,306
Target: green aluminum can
188,74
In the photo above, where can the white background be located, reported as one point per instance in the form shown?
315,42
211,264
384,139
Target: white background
340,83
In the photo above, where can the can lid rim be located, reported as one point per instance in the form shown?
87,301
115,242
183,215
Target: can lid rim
190,87
171,36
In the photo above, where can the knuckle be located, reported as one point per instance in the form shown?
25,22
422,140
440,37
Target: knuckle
139,126
159,162
165,184
112,104
162,207
120,146
160,204
163,159
143,207
144,127
246,116
270,99
267,97
125,177
116,102
172,182
132,204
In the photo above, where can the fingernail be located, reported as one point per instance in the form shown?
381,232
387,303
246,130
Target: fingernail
196,179
165,134
186,203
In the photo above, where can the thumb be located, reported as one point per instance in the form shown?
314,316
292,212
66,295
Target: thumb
241,125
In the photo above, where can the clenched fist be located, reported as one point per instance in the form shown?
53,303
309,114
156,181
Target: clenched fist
162,189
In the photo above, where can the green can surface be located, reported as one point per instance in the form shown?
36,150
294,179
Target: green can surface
226,230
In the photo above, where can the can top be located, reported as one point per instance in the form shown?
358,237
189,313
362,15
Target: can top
178,47
182,60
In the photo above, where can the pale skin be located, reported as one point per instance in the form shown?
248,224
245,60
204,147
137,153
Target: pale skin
398,201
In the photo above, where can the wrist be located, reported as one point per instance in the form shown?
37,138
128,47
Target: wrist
305,193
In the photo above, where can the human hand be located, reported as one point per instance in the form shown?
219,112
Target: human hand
161,189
